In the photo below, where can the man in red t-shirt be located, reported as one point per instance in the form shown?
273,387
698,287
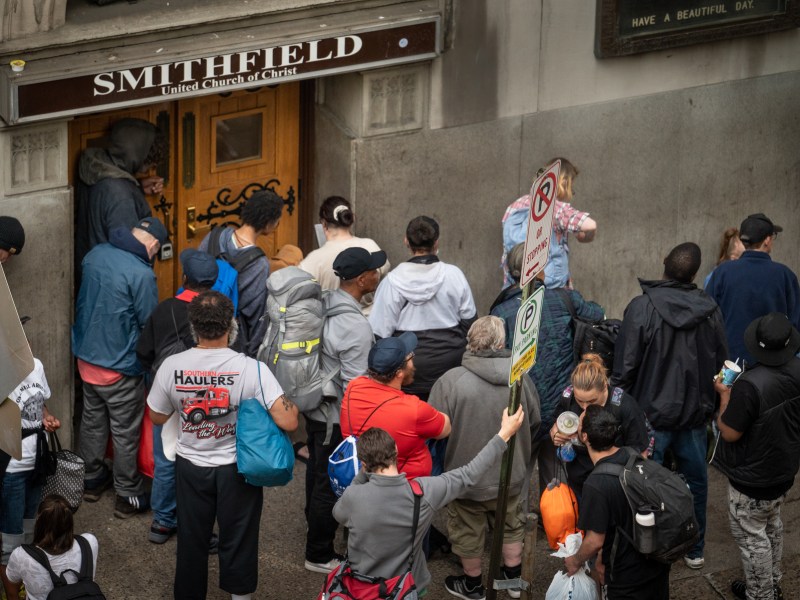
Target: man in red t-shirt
376,400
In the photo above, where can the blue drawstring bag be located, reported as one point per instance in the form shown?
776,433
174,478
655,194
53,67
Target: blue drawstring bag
264,453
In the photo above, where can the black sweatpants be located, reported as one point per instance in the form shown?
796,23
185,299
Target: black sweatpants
319,495
205,494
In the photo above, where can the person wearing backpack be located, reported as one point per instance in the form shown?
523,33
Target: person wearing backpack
606,514
378,507
670,345
65,553
167,332
590,386
555,356
346,342
261,215
759,451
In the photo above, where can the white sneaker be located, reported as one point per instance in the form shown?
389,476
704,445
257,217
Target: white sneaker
323,567
694,563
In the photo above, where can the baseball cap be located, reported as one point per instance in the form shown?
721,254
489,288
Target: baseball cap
199,267
389,354
756,228
12,235
352,262
772,339
155,228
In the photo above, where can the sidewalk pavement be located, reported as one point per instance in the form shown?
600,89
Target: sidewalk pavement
129,567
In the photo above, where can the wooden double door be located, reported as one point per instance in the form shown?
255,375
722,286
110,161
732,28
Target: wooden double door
222,149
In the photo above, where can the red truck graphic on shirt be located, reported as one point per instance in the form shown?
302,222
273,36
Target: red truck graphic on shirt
207,404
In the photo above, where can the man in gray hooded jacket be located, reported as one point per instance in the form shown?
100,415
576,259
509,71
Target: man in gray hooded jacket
346,342
473,393
108,194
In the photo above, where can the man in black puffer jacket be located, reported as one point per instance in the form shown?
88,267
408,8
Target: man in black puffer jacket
671,344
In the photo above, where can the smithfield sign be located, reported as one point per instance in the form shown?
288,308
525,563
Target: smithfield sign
33,99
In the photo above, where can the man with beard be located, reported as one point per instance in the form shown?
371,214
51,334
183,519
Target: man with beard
376,400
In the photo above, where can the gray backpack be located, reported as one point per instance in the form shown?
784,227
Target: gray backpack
292,346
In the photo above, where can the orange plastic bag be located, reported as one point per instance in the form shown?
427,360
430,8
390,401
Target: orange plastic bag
559,509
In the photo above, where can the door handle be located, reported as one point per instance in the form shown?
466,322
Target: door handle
191,216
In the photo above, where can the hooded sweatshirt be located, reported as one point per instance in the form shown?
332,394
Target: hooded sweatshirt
670,346
477,392
117,295
108,195
432,299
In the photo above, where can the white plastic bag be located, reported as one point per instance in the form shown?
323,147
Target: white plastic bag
578,587
571,545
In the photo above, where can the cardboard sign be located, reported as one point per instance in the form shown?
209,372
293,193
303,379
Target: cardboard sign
16,363
540,223
526,336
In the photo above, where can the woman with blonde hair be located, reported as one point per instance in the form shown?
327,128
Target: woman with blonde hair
730,248
566,219
590,386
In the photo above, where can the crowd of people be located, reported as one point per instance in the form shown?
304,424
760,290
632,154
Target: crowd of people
420,378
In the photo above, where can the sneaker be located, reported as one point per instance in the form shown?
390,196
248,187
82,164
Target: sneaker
128,506
160,533
777,592
739,589
213,544
694,563
457,586
512,593
325,567
94,488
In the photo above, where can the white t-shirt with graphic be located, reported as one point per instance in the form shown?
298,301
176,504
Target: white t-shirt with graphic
23,568
204,386
30,396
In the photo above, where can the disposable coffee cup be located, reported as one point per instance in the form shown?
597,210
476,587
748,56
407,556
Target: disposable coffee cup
730,371
567,423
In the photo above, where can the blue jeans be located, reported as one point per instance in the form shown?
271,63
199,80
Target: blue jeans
689,447
162,496
19,501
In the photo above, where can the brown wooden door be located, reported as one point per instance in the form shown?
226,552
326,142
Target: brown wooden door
223,148
93,131
243,142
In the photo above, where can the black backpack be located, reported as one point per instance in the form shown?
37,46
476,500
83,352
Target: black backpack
83,589
598,337
650,487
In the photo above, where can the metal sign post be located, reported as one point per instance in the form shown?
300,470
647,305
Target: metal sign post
526,333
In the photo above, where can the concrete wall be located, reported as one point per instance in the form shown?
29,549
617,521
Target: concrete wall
33,188
672,146
656,170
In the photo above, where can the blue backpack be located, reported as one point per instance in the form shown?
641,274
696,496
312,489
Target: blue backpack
229,268
343,464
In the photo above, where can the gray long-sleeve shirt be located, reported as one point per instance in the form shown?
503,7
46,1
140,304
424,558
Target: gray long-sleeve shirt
379,509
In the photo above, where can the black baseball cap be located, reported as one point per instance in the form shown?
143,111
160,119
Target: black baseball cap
199,267
12,235
352,262
389,354
155,228
756,228
772,339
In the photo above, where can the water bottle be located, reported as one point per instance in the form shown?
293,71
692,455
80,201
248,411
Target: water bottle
646,531
566,452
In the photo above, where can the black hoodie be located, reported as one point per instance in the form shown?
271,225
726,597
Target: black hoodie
671,344
107,193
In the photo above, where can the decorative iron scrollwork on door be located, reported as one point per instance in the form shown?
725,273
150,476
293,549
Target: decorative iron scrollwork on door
225,206
163,206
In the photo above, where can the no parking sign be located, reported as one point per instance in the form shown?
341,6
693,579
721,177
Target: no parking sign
526,336
540,223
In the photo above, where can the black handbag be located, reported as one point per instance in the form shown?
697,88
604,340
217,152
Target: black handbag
67,477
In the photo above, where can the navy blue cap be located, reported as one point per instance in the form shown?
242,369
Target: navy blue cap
389,354
199,267
155,228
